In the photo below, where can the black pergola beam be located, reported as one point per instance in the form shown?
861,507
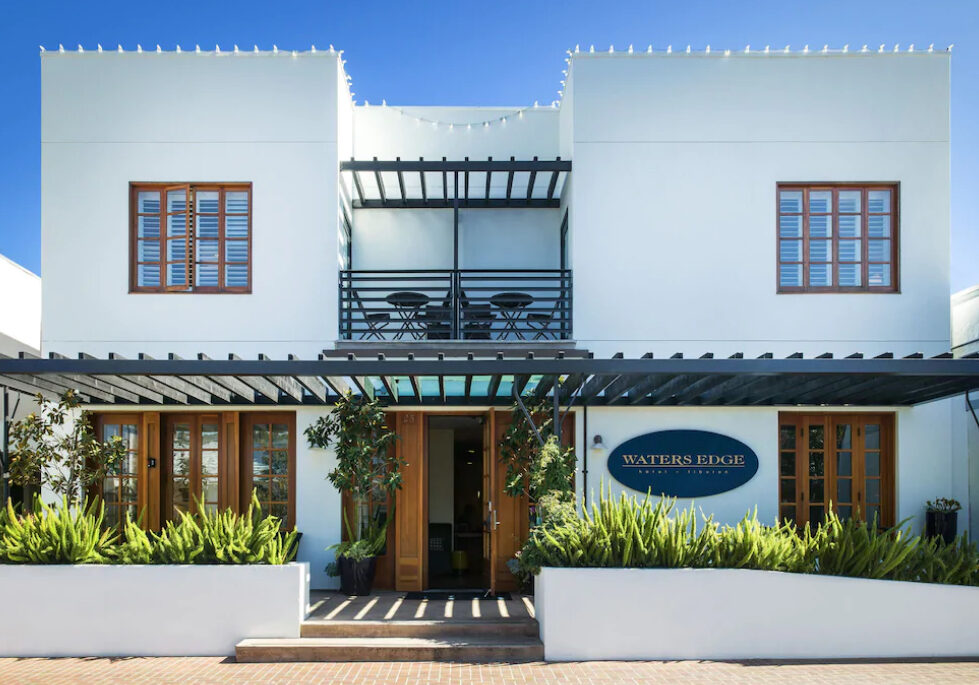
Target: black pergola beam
530,183
464,165
380,183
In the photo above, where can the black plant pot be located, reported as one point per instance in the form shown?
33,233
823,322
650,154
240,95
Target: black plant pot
356,577
943,524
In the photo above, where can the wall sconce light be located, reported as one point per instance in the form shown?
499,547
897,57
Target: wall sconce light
598,445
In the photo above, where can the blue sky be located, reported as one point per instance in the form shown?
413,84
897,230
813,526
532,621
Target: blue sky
493,52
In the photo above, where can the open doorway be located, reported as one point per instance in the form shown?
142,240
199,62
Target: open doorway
455,523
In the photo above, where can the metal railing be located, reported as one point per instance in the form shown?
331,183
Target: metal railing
447,304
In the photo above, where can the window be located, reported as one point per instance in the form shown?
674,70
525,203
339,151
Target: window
120,488
190,238
194,453
837,238
269,463
841,460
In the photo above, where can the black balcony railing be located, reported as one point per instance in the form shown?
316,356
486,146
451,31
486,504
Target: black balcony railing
465,304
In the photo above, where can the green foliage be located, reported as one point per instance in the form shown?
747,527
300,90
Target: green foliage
519,446
69,534
357,429
944,505
55,447
629,533
370,545
64,534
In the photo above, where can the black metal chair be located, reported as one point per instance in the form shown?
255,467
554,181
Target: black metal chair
477,319
540,322
437,320
376,321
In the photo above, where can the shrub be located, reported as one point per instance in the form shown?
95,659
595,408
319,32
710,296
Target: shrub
61,534
68,534
629,533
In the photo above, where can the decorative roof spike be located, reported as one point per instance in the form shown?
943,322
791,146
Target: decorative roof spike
42,48
911,47
275,49
825,49
897,47
384,103
591,49
312,48
217,49
331,49
197,48
727,53
178,48
707,51
767,48
98,46
294,53
630,48
80,48
119,48
806,49
846,48
649,49
256,49
139,48
787,50
61,48
688,49
747,49
950,46
863,49
236,48
158,48
611,49
931,48
881,48
577,49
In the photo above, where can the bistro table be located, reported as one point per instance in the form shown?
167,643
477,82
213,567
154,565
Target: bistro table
510,304
408,304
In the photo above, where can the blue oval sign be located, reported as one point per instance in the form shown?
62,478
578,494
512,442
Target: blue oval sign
683,463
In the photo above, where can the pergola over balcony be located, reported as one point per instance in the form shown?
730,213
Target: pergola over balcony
454,302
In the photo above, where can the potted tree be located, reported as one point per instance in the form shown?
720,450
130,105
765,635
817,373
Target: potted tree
942,519
366,467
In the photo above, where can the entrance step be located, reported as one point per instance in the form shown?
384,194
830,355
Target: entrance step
465,628
444,648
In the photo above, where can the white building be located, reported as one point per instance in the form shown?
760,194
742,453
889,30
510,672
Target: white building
764,215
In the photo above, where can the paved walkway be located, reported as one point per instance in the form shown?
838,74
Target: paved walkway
218,670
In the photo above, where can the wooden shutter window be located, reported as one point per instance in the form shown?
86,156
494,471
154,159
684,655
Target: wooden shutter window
190,238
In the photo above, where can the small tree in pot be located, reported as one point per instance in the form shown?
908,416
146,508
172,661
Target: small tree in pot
942,519
357,430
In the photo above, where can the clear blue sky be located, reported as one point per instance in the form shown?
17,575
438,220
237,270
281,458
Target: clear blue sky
493,52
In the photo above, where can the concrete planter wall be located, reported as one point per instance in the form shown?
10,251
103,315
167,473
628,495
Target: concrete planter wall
147,610
602,614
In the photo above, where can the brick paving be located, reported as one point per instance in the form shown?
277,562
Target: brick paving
221,670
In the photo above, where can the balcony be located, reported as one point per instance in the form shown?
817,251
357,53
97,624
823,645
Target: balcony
455,304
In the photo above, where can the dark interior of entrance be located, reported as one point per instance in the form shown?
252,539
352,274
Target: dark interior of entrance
455,522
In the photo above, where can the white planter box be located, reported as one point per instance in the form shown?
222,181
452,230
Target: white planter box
147,610
605,614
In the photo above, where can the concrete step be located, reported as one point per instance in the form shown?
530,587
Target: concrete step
446,648
506,627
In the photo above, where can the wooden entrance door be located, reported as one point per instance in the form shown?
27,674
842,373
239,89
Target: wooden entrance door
491,515
194,452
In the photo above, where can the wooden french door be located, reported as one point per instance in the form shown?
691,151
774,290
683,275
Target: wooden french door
122,489
192,466
491,503
843,461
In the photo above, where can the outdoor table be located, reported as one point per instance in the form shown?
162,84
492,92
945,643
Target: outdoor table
510,305
408,304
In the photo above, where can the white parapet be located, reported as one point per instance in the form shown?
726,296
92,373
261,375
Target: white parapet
198,610
617,614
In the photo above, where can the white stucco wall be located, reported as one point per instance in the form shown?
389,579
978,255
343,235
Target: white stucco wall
267,119
931,462
20,309
676,161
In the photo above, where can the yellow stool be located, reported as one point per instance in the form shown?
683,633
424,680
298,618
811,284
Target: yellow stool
460,562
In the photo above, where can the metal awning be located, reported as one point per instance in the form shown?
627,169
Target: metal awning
444,380
442,184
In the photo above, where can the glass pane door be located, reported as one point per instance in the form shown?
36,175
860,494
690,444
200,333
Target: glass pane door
193,464
843,490
816,444
120,488
872,486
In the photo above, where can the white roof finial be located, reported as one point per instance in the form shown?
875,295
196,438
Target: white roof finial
80,48
61,48
119,48
275,49
139,48
158,48
42,48
98,46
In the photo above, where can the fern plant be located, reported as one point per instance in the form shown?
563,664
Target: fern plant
60,534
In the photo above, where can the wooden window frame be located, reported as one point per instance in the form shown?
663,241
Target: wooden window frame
195,422
100,421
247,421
191,188
802,421
836,188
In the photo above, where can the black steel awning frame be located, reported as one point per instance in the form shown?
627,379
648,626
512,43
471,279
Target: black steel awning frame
647,381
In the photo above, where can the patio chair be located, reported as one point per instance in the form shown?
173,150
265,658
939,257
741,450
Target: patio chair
540,323
477,319
376,321
437,320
